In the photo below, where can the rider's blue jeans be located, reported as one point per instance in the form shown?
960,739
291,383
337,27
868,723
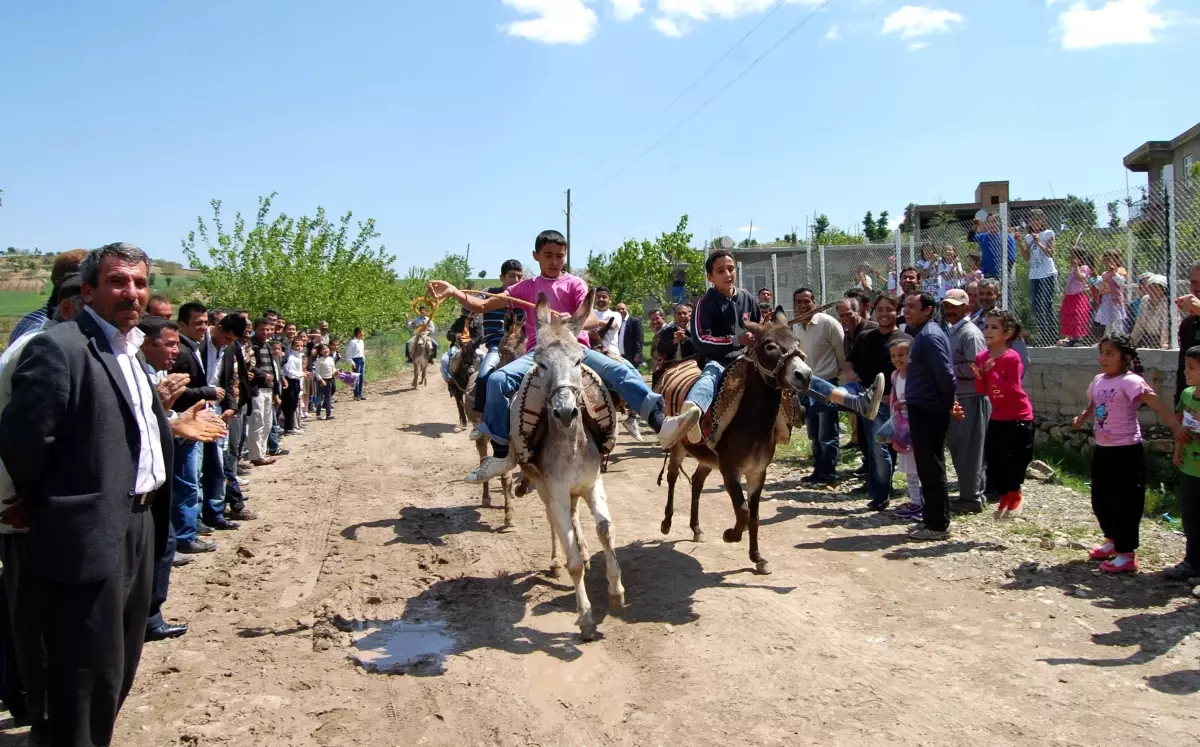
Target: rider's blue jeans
504,382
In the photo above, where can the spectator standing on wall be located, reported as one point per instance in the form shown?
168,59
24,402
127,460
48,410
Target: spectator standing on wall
1077,300
1153,325
1037,248
965,439
987,235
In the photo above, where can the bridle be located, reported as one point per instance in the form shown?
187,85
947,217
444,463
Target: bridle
575,390
772,376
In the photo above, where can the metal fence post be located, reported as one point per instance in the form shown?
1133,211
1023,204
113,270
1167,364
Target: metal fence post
822,274
775,278
808,264
741,275
1004,294
1168,176
894,270
912,253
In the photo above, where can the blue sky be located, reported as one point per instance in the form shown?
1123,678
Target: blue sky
466,120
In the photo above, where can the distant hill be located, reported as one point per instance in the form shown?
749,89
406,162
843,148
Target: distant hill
31,273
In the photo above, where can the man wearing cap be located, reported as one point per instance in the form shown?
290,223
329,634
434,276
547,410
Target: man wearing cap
65,264
965,437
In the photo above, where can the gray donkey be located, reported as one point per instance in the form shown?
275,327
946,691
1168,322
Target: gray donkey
566,465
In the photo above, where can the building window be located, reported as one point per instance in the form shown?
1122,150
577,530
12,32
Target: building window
1187,168
995,199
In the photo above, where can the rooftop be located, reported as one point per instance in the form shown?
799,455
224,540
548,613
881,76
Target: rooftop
1158,152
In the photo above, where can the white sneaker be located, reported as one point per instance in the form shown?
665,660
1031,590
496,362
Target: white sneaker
676,427
490,467
631,427
476,433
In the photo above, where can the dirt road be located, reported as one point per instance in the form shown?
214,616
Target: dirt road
369,547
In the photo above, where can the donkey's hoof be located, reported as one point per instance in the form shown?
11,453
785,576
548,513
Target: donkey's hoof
487,501
508,528
588,632
665,527
616,602
555,571
697,535
762,568
731,536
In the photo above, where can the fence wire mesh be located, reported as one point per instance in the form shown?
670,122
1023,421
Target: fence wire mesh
1077,268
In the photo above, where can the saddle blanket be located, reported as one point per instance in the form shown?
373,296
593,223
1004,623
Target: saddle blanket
677,380
529,408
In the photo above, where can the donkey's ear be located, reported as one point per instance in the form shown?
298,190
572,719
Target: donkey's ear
542,311
754,328
583,313
779,318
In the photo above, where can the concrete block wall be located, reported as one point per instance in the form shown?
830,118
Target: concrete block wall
1058,378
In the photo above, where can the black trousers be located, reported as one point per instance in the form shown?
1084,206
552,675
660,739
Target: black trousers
162,579
1189,502
291,400
1009,450
24,624
233,491
929,449
94,634
1119,493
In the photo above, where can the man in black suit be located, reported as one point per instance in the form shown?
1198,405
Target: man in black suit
222,352
88,446
630,339
199,472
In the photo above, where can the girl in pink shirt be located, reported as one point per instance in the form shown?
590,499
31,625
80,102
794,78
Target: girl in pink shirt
1008,447
1118,460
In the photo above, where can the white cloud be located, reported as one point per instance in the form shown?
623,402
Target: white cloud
679,15
919,20
917,46
746,229
834,33
1114,22
557,22
624,10
667,27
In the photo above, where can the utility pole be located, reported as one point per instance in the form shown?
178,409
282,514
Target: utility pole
469,282
568,230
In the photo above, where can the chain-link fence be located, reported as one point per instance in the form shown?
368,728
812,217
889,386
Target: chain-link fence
1077,268
829,271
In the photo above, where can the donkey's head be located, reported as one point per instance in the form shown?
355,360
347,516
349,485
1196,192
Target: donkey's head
512,342
559,358
778,354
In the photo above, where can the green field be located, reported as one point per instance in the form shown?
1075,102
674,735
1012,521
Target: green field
20,303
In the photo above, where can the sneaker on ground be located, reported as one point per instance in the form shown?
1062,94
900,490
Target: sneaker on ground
911,511
1016,502
1104,551
1125,562
676,427
477,433
925,534
491,467
878,505
631,427
1181,572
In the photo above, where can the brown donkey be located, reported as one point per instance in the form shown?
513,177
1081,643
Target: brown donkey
747,445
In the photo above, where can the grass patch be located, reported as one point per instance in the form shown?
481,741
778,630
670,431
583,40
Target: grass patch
1075,469
20,303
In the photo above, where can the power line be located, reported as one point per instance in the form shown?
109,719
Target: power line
696,112
693,84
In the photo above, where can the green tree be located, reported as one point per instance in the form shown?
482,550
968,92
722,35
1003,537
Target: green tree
638,270
1079,212
308,268
482,274
868,223
1114,214
820,227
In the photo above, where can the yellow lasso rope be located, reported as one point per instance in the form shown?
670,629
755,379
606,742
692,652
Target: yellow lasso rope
432,304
